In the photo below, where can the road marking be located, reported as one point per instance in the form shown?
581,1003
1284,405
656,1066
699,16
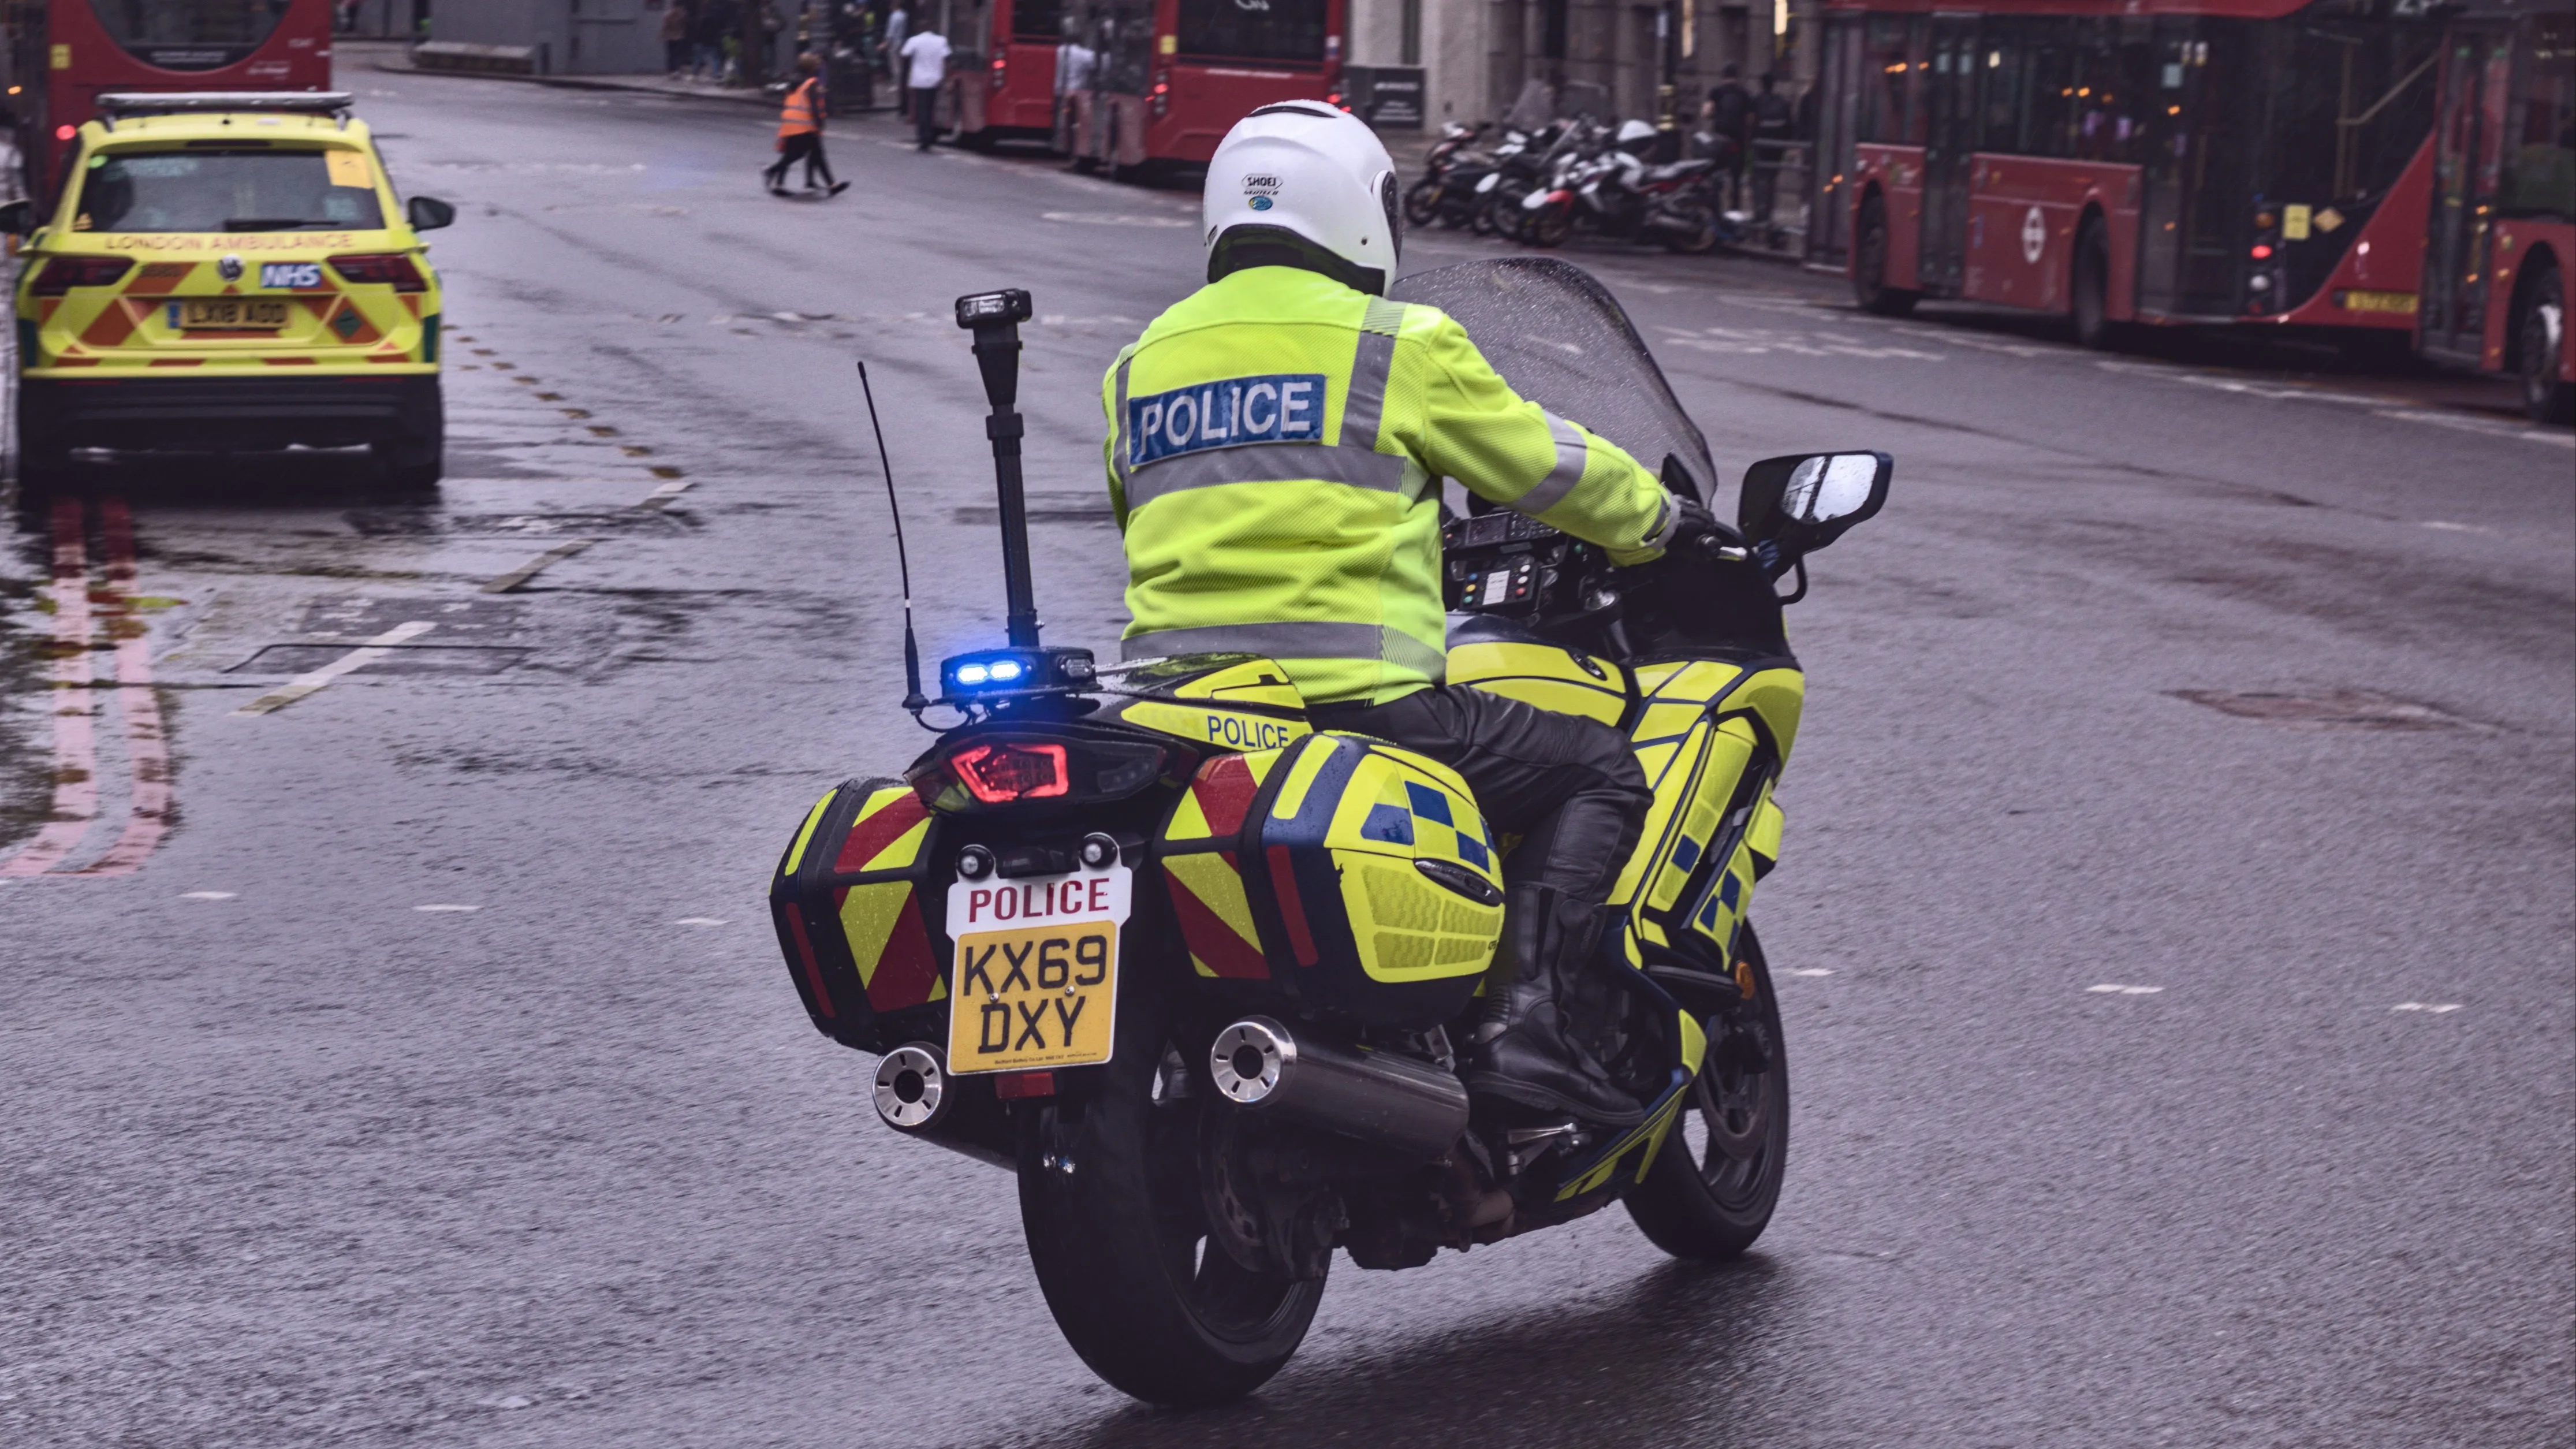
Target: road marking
2492,427
535,566
206,895
2436,1008
2449,527
147,745
1811,971
358,658
439,908
2110,986
698,921
663,496
75,717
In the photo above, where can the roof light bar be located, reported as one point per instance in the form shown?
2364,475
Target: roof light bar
143,103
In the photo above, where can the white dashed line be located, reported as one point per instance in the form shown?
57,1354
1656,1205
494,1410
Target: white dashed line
535,566
2436,1008
359,658
1811,971
2110,987
661,497
447,908
206,895
698,921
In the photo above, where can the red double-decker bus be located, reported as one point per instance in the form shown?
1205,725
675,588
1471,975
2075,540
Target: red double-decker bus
1006,86
2176,161
2500,257
60,55
1156,82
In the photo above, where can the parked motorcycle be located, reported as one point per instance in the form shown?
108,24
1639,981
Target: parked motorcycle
1450,169
1201,975
1619,193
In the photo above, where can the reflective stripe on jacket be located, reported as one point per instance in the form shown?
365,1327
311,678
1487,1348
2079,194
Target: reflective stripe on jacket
804,109
1275,445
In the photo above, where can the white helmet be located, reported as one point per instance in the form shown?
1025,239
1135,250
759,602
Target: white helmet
1303,184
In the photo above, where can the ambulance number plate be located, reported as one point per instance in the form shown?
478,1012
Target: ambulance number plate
1035,983
228,314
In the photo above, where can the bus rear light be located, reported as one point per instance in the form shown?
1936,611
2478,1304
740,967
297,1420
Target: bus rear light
1001,70
65,133
377,267
61,274
1162,94
2262,252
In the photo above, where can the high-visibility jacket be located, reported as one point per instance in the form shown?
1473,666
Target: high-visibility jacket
804,109
1276,443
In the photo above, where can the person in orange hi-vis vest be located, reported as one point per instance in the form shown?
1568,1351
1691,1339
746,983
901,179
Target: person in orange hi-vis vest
800,134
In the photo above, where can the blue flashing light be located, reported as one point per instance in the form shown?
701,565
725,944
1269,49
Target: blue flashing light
974,673
1003,671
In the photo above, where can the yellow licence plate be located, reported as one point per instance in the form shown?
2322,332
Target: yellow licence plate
2399,303
1036,976
227,314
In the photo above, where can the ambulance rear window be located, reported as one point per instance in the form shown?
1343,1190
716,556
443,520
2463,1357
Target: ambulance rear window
264,190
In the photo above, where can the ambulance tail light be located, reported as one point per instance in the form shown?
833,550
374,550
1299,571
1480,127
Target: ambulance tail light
363,268
61,274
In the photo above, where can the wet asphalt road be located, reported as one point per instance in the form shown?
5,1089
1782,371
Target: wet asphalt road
2166,1074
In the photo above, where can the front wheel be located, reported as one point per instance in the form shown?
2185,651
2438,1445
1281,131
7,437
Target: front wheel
2548,395
1711,1190
1422,202
1117,1231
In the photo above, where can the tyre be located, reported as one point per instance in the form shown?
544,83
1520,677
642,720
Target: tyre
413,464
1482,219
2090,303
1691,232
2547,394
1422,202
1711,1190
1117,1231
1548,226
1869,265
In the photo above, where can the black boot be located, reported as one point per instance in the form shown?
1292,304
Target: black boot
1525,1053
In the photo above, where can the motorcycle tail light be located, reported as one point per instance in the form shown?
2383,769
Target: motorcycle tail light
381,267
61,274
1000,774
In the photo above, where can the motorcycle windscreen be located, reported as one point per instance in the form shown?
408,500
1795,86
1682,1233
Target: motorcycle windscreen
1560,339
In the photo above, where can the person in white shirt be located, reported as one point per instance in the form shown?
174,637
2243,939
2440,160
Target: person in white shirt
927,52
898,26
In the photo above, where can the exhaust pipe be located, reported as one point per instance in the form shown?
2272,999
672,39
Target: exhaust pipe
1376,1097
916,1096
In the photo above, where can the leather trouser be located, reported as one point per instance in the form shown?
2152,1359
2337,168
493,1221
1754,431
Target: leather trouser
1569,787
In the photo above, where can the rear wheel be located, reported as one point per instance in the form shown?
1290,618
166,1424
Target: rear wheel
1711,1190
1422,202
1869,265
1692,231
413,464
2548,395
1117,1231
1548,226
2091,304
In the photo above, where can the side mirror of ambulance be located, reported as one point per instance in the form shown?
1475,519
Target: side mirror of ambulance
428,213
1804,501
17,218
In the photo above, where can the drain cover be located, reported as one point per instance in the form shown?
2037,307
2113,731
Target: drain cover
398,659
2357,709
356,616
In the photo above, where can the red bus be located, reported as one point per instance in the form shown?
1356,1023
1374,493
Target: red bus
2240,161
1005,87
1151,83
60,54
2500,256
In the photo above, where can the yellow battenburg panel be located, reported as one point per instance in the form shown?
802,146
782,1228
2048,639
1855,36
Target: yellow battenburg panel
1208,877
1301,778
1670,770
1769,820
1255,681
1223,728
1778,696
1411,928
1544,676
805,834
868,916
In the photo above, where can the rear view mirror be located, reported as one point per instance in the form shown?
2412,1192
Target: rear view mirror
17,218
428,213
1805,501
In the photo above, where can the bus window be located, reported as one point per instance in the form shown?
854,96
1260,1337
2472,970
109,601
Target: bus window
2540,176
2001,71
1289,30
2351,103
1037,20
1888,112
189,34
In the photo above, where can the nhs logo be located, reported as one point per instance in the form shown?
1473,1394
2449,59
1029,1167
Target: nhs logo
1284,407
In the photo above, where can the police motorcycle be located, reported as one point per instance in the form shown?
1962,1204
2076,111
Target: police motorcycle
1199,974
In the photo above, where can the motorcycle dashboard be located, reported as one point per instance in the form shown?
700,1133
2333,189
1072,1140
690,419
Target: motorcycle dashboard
1501,563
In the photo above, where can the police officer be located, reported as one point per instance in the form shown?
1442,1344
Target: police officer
1276,445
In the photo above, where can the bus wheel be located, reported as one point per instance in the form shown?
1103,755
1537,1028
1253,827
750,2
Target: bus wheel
1869,266
2547,393
2091,303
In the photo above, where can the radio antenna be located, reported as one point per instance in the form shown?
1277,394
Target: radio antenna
912,698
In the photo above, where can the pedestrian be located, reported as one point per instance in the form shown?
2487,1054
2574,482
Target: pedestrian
1775,124
898,29
800,133
708,25
675,38
928,54
1730,117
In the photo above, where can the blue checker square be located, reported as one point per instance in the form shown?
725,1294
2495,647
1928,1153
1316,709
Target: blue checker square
1385,822
1472,852
1685,852
1428,803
